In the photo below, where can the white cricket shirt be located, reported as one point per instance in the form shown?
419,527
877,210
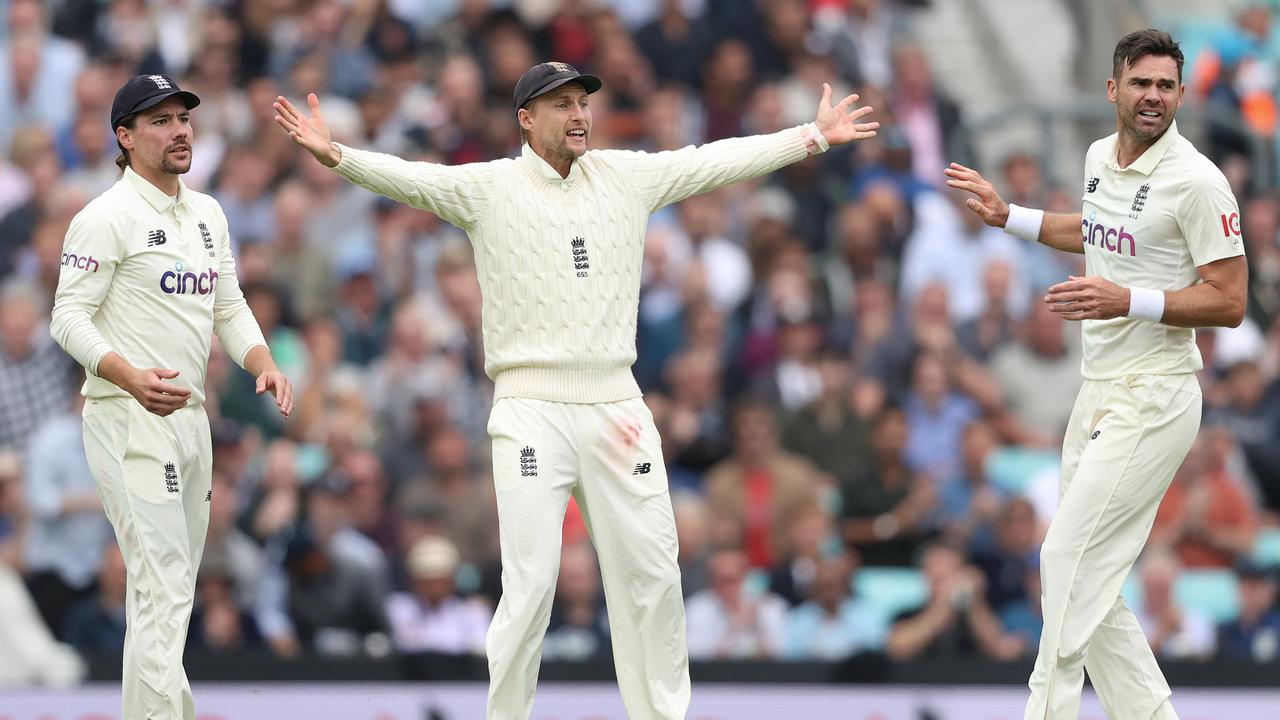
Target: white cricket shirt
1151,225
559,259
151,277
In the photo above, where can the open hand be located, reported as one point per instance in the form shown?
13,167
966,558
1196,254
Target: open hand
1088,298
838,125
986,203
311,132
278,385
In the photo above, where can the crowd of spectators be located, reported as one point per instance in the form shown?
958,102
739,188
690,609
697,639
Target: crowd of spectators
848,371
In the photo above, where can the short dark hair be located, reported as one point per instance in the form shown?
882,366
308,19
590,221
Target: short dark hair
1139,44
122,160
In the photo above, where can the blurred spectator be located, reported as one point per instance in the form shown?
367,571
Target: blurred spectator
793,577
34,155
759,485
936,417
299,268
1260,223
886,513
1205,519
579,626
1251,414
450,488
931,121
242,192
694,534
993,328
726,85
1023,618
37,71
67,531
229,548
432,617
1255,634
731,621
1175,632
96,624
861,34
831,431
1014,554
955,621
833,624
967,501
675,42
1038,377
693,421
13,519
219,623
34,372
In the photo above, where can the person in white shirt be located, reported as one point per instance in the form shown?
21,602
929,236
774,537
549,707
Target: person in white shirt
1160,232
147,278
559,238
432,617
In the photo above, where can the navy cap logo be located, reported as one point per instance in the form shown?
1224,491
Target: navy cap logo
560,67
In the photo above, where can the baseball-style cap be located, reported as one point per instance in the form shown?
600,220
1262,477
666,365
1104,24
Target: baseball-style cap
433,557
145,91
545,77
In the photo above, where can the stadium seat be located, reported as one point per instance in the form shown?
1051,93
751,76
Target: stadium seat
891,590
1212,592
1266,550
1011,469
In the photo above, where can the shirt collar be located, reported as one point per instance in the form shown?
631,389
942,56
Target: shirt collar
154,195
1148,160
544,169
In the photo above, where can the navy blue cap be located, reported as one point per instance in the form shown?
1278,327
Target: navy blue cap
545,77
145,91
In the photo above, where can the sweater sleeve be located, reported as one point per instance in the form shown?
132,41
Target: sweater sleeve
668,177
233,321
459,194
90,253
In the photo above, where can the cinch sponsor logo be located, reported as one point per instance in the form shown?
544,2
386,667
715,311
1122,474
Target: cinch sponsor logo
1110,239
80,262
176,282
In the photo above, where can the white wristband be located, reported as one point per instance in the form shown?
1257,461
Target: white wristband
1024,222
1146,304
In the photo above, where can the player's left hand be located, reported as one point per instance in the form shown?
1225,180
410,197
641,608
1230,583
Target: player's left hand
279,386
838,125
1088,298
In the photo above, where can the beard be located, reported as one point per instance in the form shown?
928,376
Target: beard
1133,123
170,166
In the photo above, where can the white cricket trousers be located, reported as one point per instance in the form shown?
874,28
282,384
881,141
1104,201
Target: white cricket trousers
1125,440
154,474
609,458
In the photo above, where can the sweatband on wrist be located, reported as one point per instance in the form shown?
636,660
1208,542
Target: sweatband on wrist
814,141
1024,223
1145,304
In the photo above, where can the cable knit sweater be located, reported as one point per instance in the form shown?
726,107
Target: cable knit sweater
559,259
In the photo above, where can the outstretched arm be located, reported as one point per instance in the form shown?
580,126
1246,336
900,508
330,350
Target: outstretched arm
458,194
669,177
1060,231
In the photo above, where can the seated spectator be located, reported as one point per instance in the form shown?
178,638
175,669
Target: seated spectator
218,622
936,416
433,617
1205,518
335,604
968,502
885,514
1252,412
1174,632
955,621
833,624
1038,377
1016,549
793,577
830,432
1024,618
229,547
728,621
1255,635
579,626
760,484
96,624
694,536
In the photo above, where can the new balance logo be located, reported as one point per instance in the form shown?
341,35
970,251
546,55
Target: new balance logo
170,477
1095,434
208,497
528,463
642,469
1093,185
162,83
155,237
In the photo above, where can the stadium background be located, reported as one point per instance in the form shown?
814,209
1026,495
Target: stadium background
825,348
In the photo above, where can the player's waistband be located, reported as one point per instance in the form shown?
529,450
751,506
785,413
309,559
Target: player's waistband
566,386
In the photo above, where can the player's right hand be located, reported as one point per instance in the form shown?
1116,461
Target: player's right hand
149,388
986,203
311,133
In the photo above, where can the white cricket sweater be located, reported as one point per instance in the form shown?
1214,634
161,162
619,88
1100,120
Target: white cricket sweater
559,259
151,278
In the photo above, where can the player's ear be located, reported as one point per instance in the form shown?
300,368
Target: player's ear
124,137
1111,89
525,117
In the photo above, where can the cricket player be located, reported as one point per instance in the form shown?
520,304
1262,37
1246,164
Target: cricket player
147,277
558,234
1160,234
